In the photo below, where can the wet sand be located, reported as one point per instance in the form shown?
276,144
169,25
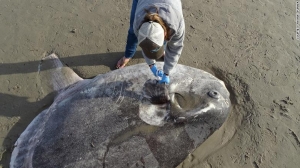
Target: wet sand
251,46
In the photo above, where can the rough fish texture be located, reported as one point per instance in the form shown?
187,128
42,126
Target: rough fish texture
109,121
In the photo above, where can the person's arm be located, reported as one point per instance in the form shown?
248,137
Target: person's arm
132,40
173,49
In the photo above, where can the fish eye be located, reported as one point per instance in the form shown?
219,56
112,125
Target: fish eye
213,94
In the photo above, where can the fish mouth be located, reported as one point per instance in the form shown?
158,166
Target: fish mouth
183,102
187,105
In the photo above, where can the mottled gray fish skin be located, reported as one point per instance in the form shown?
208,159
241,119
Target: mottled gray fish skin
108,121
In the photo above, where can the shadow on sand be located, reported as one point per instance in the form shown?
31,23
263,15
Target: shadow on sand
106,59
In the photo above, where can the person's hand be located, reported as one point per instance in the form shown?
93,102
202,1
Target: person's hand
165,79
157,73
122,62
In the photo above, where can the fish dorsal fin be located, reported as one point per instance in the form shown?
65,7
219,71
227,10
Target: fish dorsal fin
54,75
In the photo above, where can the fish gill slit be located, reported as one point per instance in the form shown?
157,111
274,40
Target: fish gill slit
204,110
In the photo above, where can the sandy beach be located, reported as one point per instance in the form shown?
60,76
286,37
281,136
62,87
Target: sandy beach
250,45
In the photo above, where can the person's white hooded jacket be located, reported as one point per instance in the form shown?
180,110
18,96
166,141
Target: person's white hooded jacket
171,12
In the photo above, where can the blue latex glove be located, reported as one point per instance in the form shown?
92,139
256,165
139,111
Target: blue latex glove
156,72
165,79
